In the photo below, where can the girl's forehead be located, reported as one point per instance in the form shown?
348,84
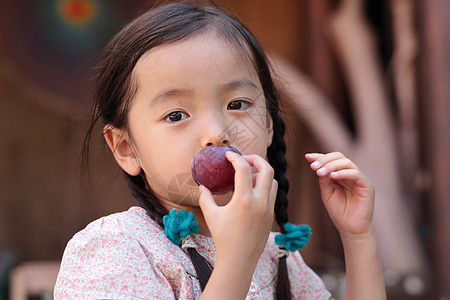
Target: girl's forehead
205,48
202,66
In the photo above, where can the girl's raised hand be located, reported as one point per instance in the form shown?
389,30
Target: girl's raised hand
240,228
347,194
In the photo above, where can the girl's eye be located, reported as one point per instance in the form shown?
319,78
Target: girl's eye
176,116
238,105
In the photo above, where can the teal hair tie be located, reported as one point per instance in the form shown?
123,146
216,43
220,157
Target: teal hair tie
179,225
295,238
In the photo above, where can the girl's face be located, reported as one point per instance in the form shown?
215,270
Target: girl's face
191,94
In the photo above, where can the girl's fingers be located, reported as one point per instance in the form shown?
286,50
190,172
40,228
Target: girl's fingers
351,174
335,165
321,157
206,200
326,188
273,193
243,176
254,176
312,156
265,171
324,164
256,186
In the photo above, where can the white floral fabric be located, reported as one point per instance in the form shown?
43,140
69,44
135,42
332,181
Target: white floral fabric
127,256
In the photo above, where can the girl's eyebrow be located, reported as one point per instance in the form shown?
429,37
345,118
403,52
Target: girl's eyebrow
240,83
168,94
229,86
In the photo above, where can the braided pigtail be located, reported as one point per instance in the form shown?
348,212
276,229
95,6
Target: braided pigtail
276,154
202,267
178,227
292,237
139,189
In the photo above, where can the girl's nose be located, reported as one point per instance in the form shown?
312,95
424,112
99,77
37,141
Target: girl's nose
215,139
218,142
215,133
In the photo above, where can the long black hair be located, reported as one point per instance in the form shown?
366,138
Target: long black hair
115,90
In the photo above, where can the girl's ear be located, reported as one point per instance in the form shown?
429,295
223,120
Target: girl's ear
120,145
269,130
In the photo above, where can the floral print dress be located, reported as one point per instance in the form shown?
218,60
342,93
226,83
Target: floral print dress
127,256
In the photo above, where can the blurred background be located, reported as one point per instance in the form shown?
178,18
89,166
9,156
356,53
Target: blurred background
370,78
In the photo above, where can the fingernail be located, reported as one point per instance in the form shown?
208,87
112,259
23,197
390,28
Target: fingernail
321,171
315,164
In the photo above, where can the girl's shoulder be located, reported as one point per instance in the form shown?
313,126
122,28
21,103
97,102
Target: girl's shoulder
117,256
128,229
133,224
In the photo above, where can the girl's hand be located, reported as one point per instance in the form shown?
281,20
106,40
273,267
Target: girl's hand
240,229
347,193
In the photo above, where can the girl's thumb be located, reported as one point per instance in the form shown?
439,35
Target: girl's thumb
326,187
206,200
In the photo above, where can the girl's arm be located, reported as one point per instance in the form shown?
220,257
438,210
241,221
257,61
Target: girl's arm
241,228
349,199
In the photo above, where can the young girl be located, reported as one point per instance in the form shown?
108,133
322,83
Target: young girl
179,78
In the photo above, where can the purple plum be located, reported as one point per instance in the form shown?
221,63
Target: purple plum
212,169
